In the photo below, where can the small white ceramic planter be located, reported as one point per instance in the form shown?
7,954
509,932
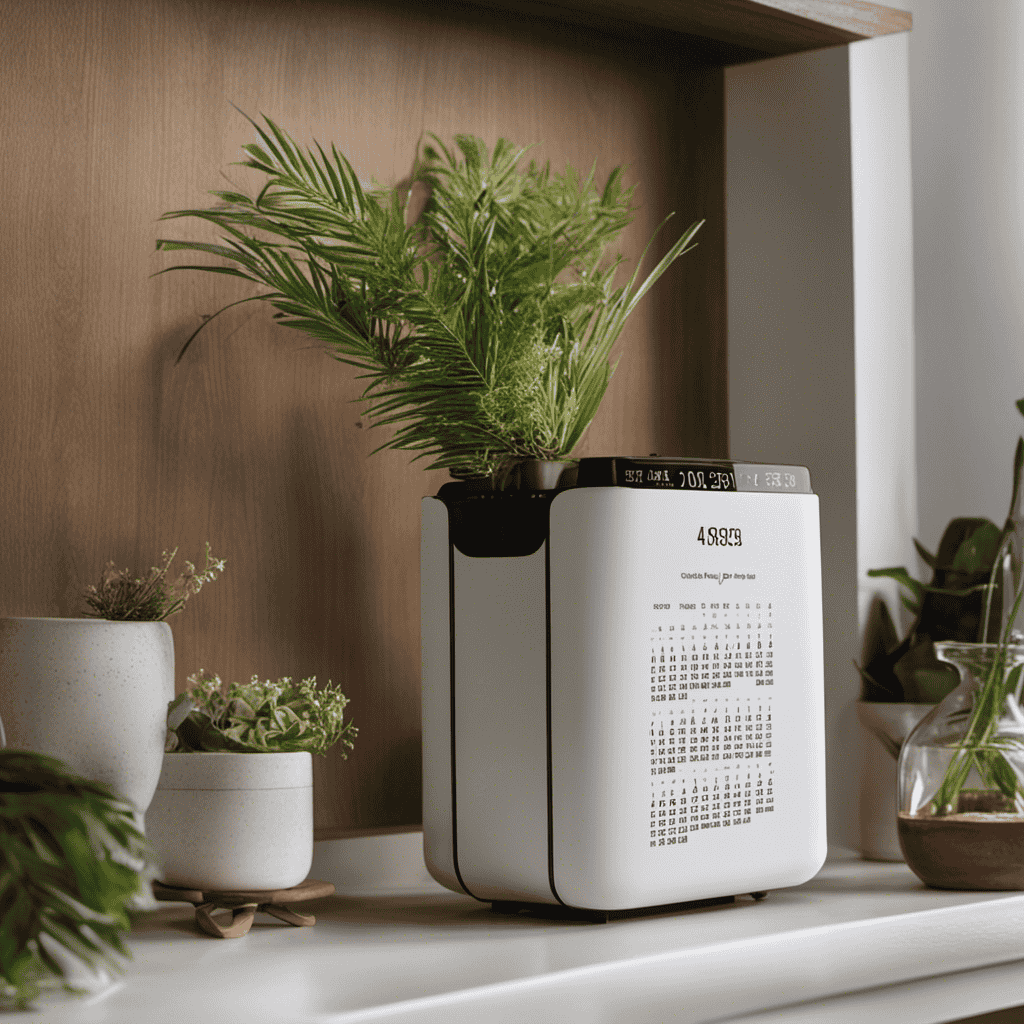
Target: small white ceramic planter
233,822
92,693
889,725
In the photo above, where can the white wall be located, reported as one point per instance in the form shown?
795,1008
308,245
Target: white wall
967,129
883,283
791,335
965,355
820,318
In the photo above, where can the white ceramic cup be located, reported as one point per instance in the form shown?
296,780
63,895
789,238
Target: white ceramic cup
233,822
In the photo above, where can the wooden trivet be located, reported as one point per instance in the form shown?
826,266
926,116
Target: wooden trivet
243,905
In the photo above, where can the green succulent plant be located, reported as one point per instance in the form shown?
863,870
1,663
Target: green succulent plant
483,327
258,717
71,865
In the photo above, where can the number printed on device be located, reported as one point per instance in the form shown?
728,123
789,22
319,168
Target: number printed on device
720,536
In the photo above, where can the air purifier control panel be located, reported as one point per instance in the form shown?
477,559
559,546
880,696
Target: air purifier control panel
713,475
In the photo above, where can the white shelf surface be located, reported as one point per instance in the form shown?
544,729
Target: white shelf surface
860,942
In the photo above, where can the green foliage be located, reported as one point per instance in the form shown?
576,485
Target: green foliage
483,329
954,605
121,596
985,739
67,846
259,717
973,571
949,607
982,746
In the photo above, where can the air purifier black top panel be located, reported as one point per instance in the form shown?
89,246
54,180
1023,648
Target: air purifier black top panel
675,474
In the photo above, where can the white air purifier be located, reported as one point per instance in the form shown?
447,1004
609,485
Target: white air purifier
622,685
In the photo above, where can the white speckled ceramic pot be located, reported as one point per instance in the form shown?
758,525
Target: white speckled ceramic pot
92,693
222,821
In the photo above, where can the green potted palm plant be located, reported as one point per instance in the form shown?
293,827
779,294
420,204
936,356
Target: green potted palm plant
483,327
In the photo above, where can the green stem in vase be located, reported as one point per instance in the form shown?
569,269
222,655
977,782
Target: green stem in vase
973,750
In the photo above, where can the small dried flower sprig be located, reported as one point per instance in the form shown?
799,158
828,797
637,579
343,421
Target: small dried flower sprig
258,717
121,596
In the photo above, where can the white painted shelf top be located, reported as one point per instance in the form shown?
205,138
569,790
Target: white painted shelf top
858,938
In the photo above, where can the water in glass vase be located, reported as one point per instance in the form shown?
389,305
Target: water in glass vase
961,776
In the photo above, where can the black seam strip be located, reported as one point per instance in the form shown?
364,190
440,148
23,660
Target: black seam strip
547,702
451,710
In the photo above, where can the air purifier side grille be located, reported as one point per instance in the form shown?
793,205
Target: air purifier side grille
439,804
500,730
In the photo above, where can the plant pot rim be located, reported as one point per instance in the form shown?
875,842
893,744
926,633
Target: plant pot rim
984,817
84,620
228,769
966,645
238,753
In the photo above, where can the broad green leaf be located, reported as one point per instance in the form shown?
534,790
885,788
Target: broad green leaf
1012,684
978,551
1018,465
904,579
926,556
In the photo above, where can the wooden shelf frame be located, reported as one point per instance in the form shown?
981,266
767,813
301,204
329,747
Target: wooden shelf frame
112,451
728,31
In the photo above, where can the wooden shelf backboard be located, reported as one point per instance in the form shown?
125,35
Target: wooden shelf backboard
254,441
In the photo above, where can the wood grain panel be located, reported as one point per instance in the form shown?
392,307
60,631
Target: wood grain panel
118,110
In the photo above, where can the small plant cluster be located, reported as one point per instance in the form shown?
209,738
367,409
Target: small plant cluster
970,577
948,607
121,596
974,598
258,717
483,327
67,884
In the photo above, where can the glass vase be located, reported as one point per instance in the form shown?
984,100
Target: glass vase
960,798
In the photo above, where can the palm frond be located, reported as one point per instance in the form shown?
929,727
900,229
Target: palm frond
66,880
483,332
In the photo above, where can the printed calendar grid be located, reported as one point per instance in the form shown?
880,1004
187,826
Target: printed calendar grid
711,718
714,800
710,645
